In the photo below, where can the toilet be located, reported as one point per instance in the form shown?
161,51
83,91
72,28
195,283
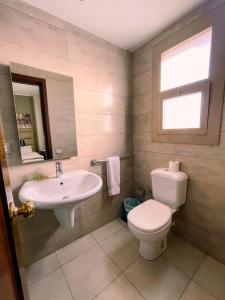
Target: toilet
150,222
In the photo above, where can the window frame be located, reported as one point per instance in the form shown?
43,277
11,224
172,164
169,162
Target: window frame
212,88
202,86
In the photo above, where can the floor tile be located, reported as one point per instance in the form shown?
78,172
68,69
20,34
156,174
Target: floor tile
52,287
120,289
122,247
158,279
183,255
42,268
107,230
196,292
75,248
90,273
211,275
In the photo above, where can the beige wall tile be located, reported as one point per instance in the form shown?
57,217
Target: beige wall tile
91,124
206,196
210,152
119,144
203,170
92,102
90,53
200,238
5,88
209,221
159,148
145,162
166,33
142,123
76,31
95,79
21,29
142,178
142,60
33,58
34,12
200,11
142,104
141,141
159,160
8,117
142,84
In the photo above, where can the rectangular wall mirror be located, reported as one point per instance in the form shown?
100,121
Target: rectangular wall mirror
31,108
44,116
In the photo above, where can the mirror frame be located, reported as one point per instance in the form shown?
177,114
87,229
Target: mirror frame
25,79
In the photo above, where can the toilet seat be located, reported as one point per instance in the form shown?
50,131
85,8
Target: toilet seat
150,216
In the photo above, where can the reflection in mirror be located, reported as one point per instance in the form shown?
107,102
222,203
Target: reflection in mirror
30,127
30,100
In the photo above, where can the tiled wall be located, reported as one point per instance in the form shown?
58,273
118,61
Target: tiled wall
202,219
101,75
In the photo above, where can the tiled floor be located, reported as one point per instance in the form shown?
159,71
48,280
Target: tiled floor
106,265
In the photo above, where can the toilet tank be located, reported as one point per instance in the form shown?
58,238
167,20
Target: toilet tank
169,187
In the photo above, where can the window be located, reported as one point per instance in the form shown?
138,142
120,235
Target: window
187,62
187,69
187,109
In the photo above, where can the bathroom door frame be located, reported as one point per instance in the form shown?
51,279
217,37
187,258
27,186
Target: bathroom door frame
13,284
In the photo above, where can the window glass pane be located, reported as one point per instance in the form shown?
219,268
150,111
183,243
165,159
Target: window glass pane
182,112
187,62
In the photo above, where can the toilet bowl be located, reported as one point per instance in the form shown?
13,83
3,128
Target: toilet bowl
150,222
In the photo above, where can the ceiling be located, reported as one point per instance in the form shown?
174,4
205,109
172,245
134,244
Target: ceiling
124,23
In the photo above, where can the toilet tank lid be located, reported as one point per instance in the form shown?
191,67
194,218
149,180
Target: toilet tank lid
164,172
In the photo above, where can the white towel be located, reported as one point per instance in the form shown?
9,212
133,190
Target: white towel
113,175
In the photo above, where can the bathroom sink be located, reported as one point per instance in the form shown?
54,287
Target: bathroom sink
61,194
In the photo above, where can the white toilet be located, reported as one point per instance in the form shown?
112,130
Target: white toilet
151,221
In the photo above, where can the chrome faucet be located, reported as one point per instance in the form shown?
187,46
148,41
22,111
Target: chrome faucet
58,169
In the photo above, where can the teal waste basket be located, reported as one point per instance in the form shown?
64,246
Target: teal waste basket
128,205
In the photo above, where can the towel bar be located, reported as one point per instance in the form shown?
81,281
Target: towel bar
95,162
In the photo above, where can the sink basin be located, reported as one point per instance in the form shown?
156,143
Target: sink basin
62,194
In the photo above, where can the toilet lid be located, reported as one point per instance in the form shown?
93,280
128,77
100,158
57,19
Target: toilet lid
150,216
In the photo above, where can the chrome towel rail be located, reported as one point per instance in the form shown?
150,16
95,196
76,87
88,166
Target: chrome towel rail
95,162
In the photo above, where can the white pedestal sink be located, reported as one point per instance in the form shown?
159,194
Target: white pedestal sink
61,194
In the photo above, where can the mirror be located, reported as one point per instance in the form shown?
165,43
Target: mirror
32,124
44,116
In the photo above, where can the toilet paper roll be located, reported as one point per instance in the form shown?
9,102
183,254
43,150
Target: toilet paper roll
174,166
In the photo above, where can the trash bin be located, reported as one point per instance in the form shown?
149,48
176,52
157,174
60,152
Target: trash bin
128,205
